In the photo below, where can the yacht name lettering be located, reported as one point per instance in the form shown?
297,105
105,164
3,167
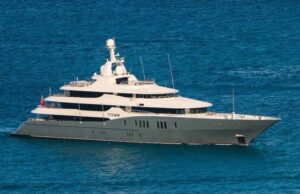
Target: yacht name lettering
113,114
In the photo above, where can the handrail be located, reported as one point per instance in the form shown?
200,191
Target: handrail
139,83
80,83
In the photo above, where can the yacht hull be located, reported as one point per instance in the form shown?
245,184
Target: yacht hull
133,130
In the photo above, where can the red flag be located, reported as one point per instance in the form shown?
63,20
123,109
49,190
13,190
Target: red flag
43,102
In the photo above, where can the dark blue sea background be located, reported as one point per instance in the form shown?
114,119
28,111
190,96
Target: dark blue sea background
214,46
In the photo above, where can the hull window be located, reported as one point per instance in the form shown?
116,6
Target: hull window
129,134
102,133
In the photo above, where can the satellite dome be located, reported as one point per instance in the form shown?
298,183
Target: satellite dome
110,43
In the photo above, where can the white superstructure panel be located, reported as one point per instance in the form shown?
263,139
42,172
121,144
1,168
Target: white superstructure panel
170,102
108,85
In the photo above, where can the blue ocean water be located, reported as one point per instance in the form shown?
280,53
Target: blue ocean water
215,46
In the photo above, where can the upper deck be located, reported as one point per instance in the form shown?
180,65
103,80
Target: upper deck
126,84
177,102
114,78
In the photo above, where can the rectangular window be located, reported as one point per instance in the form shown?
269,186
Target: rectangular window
135,123
125,122
147,124
161,125
144,124
165,125
140,124
175,125
157,124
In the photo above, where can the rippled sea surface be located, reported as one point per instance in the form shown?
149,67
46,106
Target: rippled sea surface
215,46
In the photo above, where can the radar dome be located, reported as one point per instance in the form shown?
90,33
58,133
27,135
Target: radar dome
110,43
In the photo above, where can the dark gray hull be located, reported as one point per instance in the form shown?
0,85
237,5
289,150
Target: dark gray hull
185,131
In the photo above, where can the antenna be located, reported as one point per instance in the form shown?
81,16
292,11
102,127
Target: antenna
50,92
233,103
171,70
142,67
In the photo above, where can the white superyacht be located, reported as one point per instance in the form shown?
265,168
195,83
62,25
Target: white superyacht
117,107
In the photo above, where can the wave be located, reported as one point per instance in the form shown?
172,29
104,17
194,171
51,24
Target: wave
6,129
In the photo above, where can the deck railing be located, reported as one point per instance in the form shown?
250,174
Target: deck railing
80,83
140,83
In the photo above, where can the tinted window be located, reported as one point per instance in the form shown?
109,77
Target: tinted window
85,94
72,118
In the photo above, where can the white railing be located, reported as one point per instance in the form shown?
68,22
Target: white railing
59,94
235,116
140,83
80,83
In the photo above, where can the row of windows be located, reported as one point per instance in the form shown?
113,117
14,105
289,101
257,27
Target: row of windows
145,124
139,123
129,134
133,109
168,110
158,110
101,133
83,94
161,125
74,118
198,110
155,95
104,134
142,124
85,106
98,94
